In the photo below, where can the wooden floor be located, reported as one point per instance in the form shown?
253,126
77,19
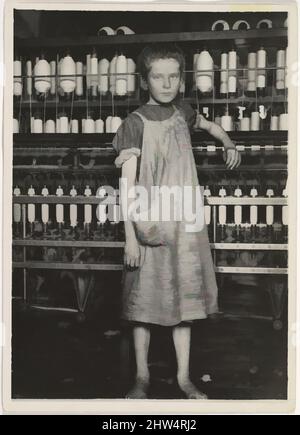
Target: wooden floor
56,357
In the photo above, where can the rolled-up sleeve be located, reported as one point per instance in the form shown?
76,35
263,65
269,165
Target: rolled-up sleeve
128,139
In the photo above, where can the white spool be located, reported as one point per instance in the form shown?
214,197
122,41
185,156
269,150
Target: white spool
232,82
232,61
270,215
103,78
112,75
94,70
251,83
224,24
59,207
108,121
224,88
232,73
29,77
218,120
17,80
255,120
270,208
88,71
73,209
222,214
115,124
42,74
74,126
17,207
261,64
17,213
37,126
280,69
49,126
116,214
226,122
245,124
64,124
101,213
264,21
87,207
79,79
83,125
121,81
253,215
107,30
124,30
222,208
131,68
207,192
237,25
101,209
57,125
283,121
238,208
274,124
253,208
45,207
31,207
207,214
68,72
224,73
53,77
261,81
204,71
15,126
89,126
237,214
99,126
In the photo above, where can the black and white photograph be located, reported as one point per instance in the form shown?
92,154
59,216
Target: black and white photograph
149,240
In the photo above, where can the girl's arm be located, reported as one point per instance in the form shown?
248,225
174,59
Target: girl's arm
132,249
232,156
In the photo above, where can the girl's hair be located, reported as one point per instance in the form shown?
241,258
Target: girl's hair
159,51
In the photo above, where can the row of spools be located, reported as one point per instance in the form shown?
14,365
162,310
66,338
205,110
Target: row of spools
67,76
64,125
251,122
118,76
256,71
102,209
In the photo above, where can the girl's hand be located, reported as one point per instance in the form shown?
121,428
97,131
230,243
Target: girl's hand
232,157
132,254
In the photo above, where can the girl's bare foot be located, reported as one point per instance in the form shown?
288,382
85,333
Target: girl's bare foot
139,389
190,390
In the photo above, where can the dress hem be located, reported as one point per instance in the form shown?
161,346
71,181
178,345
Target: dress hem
158,322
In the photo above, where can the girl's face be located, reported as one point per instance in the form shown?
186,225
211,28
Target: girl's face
163,81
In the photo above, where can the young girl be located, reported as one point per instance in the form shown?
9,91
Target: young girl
168,284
